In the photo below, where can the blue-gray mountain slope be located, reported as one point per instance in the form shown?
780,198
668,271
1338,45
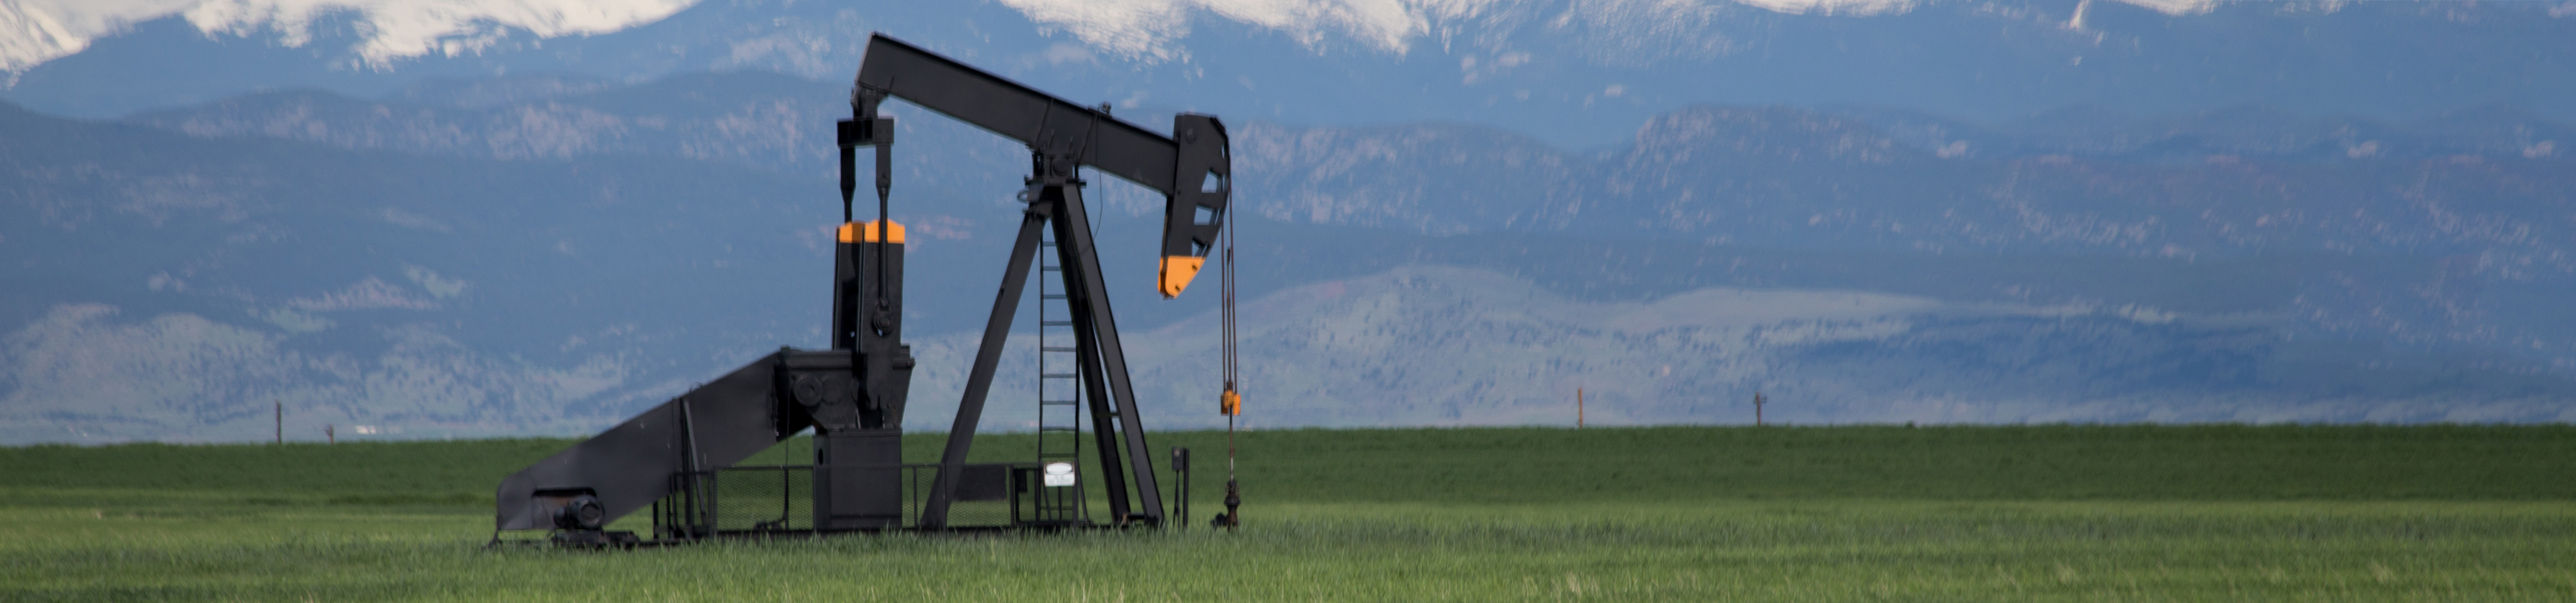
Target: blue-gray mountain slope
545,255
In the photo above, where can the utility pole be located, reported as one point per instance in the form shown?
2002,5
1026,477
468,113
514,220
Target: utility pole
281,421
1757,408
1578,408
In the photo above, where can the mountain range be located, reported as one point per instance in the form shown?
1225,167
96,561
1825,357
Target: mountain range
1867,211
1576,73
549,263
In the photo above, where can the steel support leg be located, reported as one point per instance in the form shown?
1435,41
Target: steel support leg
988,354
1098,330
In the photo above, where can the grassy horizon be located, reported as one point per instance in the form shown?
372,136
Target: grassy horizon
1969,513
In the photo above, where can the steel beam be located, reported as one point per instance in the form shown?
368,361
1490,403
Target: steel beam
1097,328
979,379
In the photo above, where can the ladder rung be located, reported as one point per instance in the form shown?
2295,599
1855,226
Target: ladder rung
1051,296
1055,323
1050,269
1059,402
1057,375
1057,349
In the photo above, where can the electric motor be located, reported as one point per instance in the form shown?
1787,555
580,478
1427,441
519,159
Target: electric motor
583,513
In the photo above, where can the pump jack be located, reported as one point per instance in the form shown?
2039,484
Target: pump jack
853,394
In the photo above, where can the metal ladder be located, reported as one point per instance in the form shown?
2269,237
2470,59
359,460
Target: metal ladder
1059,392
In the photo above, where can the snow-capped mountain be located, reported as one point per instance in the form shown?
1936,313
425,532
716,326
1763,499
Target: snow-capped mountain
33,32
476,217
1574,72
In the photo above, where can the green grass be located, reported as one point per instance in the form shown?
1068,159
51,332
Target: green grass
2321,513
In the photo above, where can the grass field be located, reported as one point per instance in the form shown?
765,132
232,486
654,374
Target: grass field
2318,513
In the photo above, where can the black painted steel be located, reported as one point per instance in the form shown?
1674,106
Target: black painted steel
1180,487
858,484
884,362
772,500
1050,126
1194,213
979,380
1096,330
1192,171
672,456
1087,356
630,465
1178,166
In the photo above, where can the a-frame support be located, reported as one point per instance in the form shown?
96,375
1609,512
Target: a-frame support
1056,200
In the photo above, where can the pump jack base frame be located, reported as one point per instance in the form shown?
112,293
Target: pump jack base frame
679,458
627,539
